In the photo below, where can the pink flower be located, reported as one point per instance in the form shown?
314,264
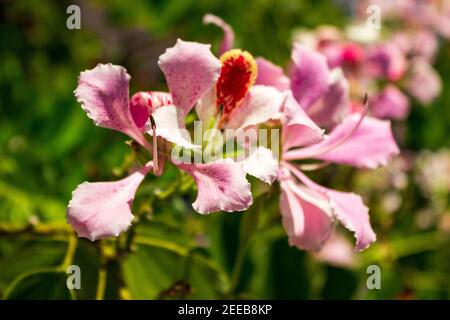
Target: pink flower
432,15
362,66
194,77
308,209
338,252
424,83
417,43
103,209
390,103
386,61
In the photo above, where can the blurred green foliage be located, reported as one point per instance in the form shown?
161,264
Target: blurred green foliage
48,146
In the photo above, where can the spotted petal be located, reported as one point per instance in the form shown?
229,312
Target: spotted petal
191,70
143,103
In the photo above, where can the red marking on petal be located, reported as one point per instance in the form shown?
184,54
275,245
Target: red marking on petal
237,75
143,103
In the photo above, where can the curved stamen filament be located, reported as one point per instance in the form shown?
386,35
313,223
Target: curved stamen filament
155,147
301,176
313,166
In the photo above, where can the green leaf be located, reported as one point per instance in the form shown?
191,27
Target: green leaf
161,269
16,206
45,284
88,259
18,256
340,284
162,230
281,269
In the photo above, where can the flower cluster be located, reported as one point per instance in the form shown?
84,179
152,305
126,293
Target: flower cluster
311,105
389,64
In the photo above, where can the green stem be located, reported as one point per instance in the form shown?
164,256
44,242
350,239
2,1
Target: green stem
399,248
237,269
107,254
41,229
101,284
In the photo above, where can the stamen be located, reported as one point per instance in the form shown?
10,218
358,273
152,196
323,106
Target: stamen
237,75
328,148
155,148
352,132
313,166
303,177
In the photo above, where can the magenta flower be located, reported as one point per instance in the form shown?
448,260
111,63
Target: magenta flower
194,77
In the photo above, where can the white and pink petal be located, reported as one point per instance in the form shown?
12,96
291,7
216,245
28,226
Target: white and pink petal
191,70
100,210
262,164
262,103
103,94
143,103
222,186
169,125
